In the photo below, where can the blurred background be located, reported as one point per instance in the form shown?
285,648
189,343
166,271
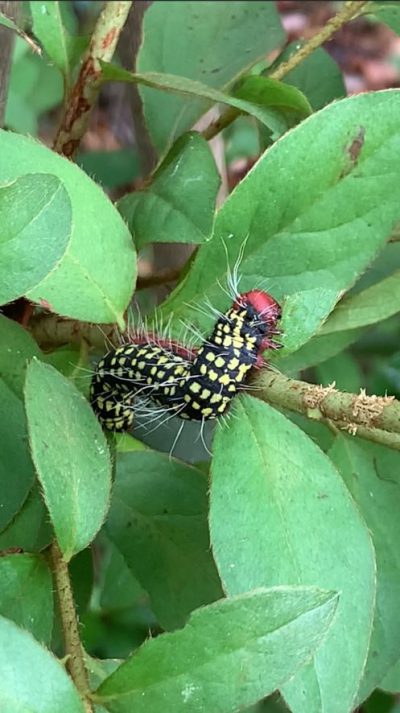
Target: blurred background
117,153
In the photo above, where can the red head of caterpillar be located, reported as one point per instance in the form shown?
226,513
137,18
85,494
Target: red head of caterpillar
262,314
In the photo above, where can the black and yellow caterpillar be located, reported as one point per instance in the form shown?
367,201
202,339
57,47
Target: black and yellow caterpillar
197,386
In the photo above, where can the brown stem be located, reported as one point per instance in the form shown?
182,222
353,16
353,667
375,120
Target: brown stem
7,40
348,12
74,653
52,331
376,418
158,278
84,93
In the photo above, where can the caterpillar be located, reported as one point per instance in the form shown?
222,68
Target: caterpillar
192,384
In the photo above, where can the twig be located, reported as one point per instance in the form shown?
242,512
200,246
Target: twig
376,418
7,39
158,278
73,647
84,93
347,13
52,331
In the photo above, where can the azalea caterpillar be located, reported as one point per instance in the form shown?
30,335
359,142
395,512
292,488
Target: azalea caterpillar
191,384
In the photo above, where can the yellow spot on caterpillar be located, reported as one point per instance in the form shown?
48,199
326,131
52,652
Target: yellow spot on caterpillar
185,415
121,361
206,411
172,390
227,328
227,341
130,350
215,398
141,365
205,394
166,390
179,369
224,379
203,369
163,360
120,371
196,406
130,374
217,339
233,364
195,387
212,375
153,370
210,356
161,374
149,380
242,371
187,398
113,361
231,387
221,408
219,362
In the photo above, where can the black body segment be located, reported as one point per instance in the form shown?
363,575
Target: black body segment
198,388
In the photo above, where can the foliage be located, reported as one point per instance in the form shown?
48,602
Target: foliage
202,583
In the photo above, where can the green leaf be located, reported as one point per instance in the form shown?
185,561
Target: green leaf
35,86
158,521
391,682
318,349
49,28
11,25
180,202
342,369
119,588
31,678
229,655
70,454
110,168
16,469
338,217
7,22
371,473
26,594
180,85
14,358
72,361
30,529
211,42
95,279
387,12
280,513
124,442
317,76
269,92
303,315
36,220
372,305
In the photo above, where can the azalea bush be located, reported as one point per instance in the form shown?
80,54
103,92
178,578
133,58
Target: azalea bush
259,571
